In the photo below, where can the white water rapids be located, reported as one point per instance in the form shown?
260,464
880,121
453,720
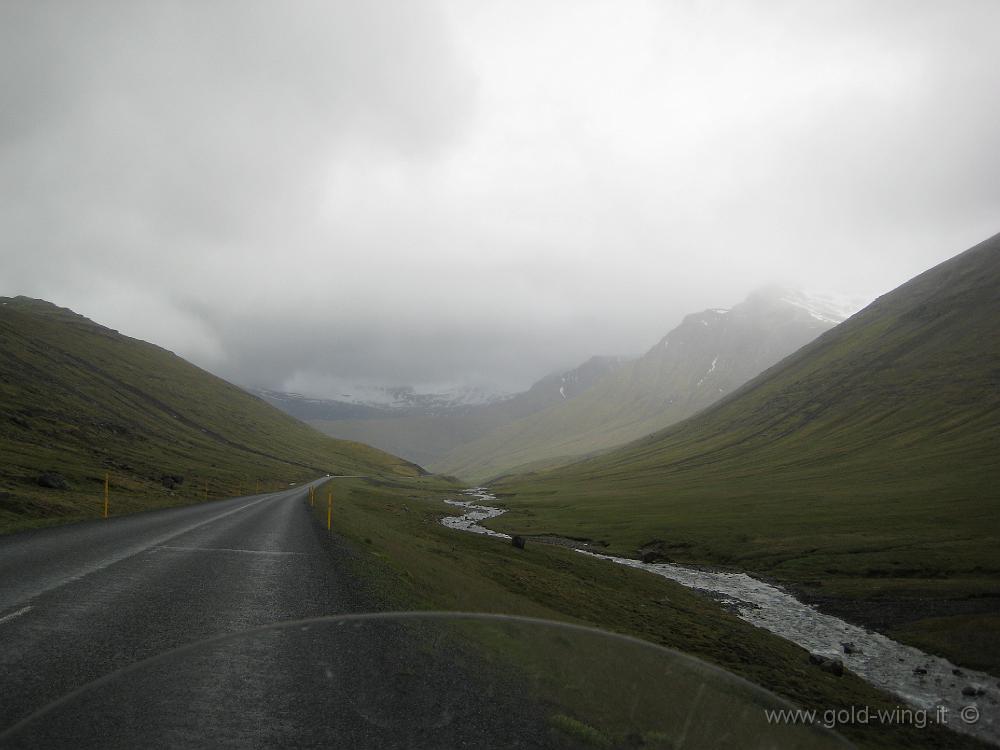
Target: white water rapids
921,680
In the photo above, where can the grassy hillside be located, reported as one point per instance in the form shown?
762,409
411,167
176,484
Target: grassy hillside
80,400
864,469
709,355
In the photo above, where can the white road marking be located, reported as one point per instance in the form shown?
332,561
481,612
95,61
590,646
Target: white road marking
12,615
143,546
227,549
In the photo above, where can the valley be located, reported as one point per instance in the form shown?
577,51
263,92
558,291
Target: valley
840,492
602,403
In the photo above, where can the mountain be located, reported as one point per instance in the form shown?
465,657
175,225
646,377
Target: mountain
379,403
708,355
312,409
425,427
863,469
78,400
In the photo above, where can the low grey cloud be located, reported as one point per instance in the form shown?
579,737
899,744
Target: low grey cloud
297,195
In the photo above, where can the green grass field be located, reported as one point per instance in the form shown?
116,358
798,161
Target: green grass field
415,563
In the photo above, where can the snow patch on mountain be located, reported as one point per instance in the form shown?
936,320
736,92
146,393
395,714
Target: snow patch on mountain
409,397
710,369
826,307
428,397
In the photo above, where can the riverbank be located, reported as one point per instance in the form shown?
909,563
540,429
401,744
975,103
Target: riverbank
922,680
417,563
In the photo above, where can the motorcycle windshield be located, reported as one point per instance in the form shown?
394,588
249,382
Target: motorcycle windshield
420,680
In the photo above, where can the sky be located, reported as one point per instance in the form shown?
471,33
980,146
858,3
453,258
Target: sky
302,195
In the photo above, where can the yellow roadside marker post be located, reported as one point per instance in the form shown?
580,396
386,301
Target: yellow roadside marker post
329,509
206,489
257,487
107,493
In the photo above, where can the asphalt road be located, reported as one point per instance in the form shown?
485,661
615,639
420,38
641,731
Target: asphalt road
82,601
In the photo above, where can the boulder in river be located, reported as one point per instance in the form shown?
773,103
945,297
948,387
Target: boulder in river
850,648
972,691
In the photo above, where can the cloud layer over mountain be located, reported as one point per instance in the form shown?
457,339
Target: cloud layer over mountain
406,191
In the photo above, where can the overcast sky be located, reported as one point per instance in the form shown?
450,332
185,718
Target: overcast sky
298,194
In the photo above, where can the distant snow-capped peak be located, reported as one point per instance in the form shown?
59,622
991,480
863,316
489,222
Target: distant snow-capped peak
400,397
827,307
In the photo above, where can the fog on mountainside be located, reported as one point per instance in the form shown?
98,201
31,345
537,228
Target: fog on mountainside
465,194
603,402
425,431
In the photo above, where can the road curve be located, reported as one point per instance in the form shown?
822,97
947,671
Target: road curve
85,600
82,600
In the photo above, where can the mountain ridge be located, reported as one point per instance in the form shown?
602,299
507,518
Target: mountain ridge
167,431
707,355
861,470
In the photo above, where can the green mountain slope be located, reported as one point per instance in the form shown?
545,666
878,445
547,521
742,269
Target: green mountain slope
708,355
79,400
866,466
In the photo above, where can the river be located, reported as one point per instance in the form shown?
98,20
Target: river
921,680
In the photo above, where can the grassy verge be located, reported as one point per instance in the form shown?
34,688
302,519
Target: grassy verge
83,500
416,563
874,547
